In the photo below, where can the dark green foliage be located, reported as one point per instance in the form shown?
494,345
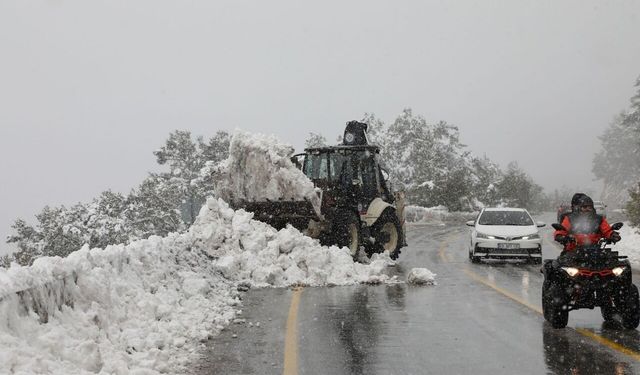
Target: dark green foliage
517,189
633,206
618,163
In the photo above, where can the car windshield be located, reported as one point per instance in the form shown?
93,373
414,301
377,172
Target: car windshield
505,218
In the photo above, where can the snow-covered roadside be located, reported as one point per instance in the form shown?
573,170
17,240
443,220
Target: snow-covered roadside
630,244
144,308
435,215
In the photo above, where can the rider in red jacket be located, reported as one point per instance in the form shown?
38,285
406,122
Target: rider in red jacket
585,226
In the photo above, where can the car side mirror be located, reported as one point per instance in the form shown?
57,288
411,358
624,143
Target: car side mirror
471,223
540,224
557,226
616,226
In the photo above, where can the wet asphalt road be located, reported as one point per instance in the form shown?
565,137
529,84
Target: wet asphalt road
479,319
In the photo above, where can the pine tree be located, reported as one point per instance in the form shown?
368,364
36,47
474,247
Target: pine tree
154,207
517,189
186,159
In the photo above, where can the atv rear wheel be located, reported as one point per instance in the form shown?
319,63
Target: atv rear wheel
388,234
631,309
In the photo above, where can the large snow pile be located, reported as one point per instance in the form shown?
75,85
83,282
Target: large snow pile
144,308
630,244
259,167
253,252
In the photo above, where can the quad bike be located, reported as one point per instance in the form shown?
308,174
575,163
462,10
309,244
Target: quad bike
587,277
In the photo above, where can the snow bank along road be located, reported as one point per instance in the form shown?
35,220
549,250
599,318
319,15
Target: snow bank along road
479,319
148,307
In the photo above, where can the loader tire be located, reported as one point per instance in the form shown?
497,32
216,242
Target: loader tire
346,232
388,226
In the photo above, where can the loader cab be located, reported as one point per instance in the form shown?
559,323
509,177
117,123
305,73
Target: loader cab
348,175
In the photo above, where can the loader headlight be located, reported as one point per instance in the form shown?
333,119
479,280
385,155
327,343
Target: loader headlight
349,137
485,236
571,271
618,271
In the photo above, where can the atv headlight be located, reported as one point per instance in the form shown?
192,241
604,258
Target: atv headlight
571,271
485,236
618,271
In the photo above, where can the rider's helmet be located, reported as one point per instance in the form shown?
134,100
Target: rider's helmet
585,202
575,201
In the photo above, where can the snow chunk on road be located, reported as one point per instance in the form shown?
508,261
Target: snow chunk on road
259,168
421,276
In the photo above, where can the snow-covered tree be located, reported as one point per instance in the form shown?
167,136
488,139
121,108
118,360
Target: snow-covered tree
517,189
376,129
59,232
216,148
108,220
163,203
633,206
315,140
485,179
154,207
428,161
618,162
186,158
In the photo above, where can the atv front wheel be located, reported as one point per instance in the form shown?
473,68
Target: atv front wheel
607,312
631,309
552,306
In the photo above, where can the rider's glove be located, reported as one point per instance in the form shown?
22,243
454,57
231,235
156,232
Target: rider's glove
562,239
615,237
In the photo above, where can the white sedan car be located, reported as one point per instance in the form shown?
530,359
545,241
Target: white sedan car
502,233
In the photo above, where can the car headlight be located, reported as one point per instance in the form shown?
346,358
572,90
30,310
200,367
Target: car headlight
618,271
483,235
571,271
534,236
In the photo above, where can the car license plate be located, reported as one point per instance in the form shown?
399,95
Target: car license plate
508,246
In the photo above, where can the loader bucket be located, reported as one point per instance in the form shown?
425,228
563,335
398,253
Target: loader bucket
280,213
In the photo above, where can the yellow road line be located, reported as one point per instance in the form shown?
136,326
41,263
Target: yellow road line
504,292
584,332
291,337
611,344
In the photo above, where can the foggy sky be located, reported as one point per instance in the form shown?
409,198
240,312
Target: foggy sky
88,89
